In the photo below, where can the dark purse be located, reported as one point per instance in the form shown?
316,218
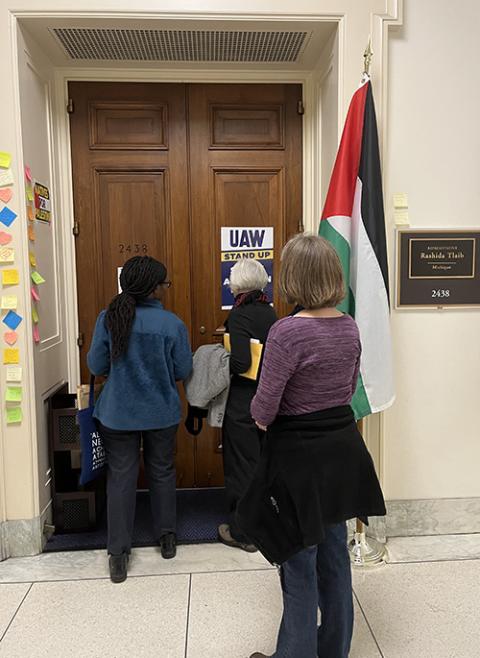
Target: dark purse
91,444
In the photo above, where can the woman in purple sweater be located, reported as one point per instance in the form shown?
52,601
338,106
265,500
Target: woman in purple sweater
315,471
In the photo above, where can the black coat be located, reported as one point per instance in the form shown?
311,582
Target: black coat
315,470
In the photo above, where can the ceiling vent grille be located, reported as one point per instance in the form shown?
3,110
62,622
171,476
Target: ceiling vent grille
180,45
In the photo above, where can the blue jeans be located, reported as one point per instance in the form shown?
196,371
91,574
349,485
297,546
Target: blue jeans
317,577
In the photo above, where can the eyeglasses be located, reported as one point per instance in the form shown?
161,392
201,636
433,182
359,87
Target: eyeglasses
166,284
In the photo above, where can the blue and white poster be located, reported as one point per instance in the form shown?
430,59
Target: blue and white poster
245,242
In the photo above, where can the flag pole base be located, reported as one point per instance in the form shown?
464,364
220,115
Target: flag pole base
365,551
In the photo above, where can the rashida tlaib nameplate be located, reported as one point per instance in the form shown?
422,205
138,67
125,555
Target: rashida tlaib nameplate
438,268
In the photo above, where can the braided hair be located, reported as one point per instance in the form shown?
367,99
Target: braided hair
140,276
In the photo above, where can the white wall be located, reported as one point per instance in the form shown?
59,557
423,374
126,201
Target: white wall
432,439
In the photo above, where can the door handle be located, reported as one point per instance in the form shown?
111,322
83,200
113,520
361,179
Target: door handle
203,330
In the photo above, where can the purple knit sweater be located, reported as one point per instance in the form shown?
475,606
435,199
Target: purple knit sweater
309,364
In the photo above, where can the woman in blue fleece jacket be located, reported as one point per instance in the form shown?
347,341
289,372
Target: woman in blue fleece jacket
143,350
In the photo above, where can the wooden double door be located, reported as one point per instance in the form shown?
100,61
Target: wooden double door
158,169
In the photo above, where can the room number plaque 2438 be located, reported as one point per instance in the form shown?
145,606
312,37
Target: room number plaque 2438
132,248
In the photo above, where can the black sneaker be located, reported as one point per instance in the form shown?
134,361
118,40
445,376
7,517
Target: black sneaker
168,545
118,567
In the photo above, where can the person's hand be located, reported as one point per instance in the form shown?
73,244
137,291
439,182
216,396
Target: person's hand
261,427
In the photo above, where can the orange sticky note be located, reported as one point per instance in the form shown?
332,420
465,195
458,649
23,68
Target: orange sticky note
11,356
30,214
31,233
10,277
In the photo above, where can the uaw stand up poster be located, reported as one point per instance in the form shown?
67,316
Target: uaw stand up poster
245,242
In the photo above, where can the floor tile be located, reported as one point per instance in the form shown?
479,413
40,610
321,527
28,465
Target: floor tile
432,548
76,565
427,610
11,597
141,618
234,614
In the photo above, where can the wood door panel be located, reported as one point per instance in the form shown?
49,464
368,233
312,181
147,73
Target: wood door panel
128,125
247,127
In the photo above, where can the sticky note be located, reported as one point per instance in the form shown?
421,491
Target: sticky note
30,214
14,415
35,294
400,200
14,374
5,159
12,320
7,255
9,302
11,356
13,394
37,278
6,178
35,317
401,217
31,233
10,277
7,216
28,173
29,192
5,238
6,193
11,337
36,334
33,259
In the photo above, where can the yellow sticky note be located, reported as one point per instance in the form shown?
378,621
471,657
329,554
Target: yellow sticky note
5,159
33,259
13,394
10,277
9,302
29,192
400,200
35,317
401,218
14,415
11,356
7,255
31,233
14,374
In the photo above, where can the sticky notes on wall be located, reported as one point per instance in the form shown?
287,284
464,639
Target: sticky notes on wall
14,374
5,159
8,302
31,233
35,295
33,259
7,255
37,278
35,317
12,320
5,238
28,173
14,415
7,216
10,337
36,333
6,194
6,178
10,277
13,394
11,356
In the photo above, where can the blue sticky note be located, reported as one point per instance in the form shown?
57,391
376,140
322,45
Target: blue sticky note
12,320
7,216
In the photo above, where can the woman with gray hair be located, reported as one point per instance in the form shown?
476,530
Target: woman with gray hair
248,324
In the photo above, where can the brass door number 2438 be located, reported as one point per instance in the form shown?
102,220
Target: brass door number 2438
132,248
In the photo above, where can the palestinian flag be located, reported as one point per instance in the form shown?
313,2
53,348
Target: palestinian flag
353,221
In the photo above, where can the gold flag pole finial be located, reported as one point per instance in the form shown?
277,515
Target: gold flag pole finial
367,57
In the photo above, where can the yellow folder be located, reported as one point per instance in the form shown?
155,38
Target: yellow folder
256,348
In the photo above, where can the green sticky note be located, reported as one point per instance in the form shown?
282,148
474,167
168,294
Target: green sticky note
14,394
37,278
14,415
29,192
5,160
34,315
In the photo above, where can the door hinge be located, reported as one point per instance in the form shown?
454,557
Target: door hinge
80,339
300,227
300,108
70,106
76,228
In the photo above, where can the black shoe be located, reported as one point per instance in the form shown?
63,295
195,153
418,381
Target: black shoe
118,567
168,545
225,536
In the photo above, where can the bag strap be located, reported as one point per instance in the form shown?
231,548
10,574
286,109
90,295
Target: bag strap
91,395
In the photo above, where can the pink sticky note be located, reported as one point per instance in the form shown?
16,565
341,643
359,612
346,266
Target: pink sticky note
6,194
11,337
36,333
28,173
5,238
35,294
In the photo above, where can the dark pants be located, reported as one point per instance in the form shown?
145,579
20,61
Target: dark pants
241,450
317,577
123,458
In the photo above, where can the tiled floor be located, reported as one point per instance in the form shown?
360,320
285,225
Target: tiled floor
215,602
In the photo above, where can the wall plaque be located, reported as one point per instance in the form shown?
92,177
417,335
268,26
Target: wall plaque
438,268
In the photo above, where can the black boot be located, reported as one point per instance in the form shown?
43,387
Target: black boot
168,545
118,567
